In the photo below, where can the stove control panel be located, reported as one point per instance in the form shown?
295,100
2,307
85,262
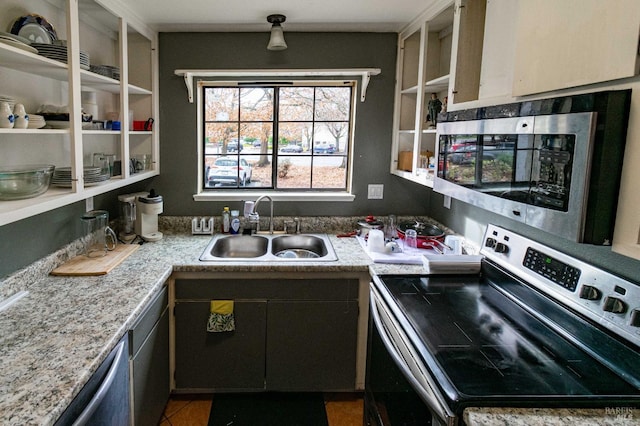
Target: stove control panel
606,299
552,269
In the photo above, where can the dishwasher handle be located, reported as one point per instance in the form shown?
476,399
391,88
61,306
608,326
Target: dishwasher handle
85,417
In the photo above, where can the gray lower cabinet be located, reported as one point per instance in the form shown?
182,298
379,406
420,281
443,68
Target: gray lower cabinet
311,345
291,334
222,361
150,362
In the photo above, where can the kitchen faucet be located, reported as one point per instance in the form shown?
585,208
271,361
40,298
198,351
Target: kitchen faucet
254,217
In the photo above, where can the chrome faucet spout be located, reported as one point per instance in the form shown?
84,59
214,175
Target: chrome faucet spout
254,212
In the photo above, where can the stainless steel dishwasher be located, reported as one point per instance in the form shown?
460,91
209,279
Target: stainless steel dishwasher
104,400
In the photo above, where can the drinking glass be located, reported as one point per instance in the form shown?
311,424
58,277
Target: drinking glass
391,232
410,241
99,237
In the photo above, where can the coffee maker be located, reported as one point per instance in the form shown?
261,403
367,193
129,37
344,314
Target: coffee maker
148,207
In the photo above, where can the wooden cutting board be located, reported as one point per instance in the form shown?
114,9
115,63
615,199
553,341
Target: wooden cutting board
86,266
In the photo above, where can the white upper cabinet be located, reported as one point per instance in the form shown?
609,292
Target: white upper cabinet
108,71
570,43
439,57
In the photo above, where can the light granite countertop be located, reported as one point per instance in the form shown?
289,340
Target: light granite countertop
53,339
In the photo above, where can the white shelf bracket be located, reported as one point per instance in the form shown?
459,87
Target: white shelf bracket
188,81
366,77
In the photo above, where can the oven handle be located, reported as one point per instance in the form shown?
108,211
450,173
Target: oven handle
429,393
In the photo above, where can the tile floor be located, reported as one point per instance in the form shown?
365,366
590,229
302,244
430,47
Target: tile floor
193,410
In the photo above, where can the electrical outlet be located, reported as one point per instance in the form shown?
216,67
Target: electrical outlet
89,204
375,191
447,202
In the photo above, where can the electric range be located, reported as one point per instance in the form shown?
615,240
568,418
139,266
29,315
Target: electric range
535,328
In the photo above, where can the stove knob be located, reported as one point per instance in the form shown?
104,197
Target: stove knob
501,248
635,318
589,292
615,305
491,242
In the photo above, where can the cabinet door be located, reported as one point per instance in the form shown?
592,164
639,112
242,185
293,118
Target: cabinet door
151,374
220,361
311,345
570,43
469,33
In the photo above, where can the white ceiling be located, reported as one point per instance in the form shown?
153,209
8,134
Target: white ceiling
302,15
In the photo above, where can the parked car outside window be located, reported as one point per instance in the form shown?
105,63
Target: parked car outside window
225,171
233,146
291,148
324,149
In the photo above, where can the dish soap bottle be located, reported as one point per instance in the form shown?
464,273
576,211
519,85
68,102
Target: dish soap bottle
235,222
226,220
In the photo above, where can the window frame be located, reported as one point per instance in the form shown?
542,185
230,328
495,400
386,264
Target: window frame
308,194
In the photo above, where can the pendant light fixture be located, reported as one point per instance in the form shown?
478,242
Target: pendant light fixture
276,42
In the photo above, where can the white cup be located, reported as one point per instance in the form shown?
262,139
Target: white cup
375,241
455,244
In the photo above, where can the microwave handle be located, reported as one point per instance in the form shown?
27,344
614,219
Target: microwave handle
428,395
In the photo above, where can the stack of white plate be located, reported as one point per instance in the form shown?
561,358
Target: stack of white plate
36,121
58,52
16,41
92,176
8,99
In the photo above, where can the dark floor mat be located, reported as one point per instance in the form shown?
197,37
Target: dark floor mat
268,409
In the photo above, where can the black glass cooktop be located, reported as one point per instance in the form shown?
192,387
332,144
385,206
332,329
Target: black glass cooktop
481,345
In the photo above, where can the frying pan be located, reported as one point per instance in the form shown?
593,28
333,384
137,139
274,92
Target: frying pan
429,236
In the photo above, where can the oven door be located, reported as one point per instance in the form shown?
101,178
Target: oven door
384,407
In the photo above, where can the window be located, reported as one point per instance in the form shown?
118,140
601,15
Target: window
285,136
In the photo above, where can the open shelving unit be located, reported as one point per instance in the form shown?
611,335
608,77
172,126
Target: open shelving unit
109,35
431,59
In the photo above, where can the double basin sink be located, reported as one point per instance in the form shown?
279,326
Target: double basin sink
269,248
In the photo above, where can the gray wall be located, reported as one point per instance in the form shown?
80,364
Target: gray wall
471,221
25,241
178,128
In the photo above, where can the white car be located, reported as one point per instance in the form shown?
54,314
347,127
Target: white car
226,171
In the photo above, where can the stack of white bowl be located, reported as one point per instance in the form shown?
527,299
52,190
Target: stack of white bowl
8,99
36,121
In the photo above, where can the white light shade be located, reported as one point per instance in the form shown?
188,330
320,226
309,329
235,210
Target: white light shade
276,42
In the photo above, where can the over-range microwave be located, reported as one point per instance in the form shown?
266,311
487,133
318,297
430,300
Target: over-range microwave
554,164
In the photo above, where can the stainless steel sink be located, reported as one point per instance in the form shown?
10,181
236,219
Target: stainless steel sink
298,246
240,246
269,248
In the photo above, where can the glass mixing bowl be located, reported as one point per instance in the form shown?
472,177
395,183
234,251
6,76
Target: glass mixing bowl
27,181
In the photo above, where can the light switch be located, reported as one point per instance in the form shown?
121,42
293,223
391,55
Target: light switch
375,191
